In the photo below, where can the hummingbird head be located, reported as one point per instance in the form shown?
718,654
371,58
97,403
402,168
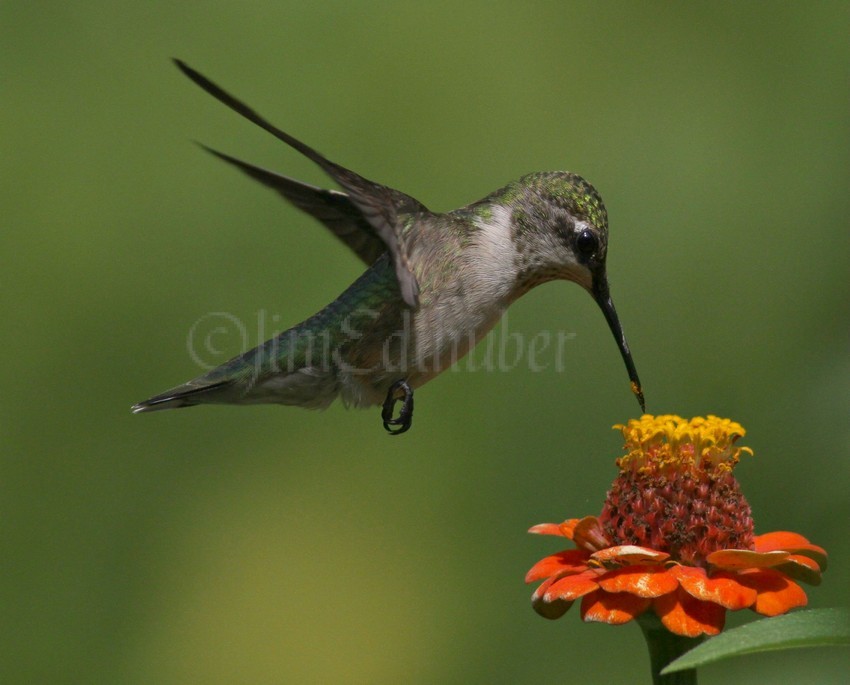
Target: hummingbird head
560,230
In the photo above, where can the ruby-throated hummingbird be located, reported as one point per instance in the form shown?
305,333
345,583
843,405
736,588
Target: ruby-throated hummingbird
436,284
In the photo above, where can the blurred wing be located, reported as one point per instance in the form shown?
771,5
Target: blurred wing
379,205
334,209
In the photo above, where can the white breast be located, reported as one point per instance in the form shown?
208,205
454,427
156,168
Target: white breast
469,307
492,261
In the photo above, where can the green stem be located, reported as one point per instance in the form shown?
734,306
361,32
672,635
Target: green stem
664,647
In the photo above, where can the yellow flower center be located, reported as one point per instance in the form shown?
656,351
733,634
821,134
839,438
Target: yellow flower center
670,443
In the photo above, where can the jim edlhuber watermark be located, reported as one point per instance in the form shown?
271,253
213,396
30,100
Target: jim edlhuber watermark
210,342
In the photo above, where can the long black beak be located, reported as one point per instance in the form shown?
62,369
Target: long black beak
606,304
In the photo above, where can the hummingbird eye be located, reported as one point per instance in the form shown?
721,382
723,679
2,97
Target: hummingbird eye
586,243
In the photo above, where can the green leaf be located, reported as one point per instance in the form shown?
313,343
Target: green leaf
813,628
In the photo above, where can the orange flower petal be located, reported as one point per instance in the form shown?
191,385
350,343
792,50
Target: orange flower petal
572,586
686,615
588,534
776,593
779,539
574,560
546,529
732,559
815,553
538,594
721,589
614,608
793,543
550,610
567,527
564,529
628,554
643,581
801,568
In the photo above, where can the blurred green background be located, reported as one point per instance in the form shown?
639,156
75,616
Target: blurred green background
276,545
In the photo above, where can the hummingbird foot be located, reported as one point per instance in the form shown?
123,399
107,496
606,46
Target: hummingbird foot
405,415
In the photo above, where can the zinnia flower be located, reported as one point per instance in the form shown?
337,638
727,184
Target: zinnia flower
675,536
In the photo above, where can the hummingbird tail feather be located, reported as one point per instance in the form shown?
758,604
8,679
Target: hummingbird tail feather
182,396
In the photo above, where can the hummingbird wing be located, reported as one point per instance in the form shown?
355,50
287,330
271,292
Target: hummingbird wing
381,206
333,208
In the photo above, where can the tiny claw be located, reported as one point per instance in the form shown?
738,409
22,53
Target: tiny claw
405,415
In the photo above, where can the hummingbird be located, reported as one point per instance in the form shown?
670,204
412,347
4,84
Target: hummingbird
435,284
